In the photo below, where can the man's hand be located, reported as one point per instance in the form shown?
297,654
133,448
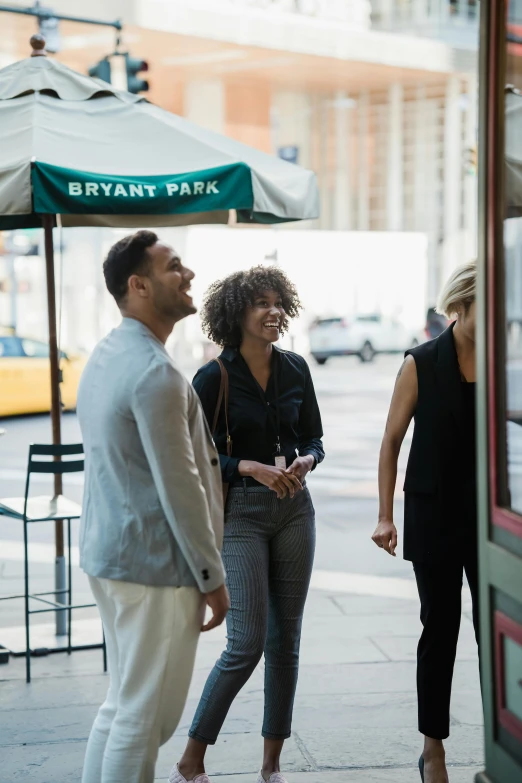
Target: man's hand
300,467
219,602
385,536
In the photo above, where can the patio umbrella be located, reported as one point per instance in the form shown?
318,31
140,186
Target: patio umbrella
78,148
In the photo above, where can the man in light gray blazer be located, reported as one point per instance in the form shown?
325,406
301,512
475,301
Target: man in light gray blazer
152,523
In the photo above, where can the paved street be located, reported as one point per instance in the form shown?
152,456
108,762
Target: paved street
355,717
353,399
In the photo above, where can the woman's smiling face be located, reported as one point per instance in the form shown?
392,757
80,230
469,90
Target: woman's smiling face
264,318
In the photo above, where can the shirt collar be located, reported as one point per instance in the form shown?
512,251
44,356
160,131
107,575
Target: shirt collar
231,354
133,325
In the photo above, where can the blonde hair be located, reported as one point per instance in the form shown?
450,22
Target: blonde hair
460,289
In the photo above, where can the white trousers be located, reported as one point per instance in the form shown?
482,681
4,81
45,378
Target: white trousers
151,635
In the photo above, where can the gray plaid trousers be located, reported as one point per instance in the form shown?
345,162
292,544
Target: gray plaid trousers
268,554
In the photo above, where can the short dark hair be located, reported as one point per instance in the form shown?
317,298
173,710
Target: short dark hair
226,301
126,258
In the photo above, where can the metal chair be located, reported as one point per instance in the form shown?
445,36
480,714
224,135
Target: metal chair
49,509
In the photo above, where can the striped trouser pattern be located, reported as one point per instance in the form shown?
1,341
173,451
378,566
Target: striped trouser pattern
268,554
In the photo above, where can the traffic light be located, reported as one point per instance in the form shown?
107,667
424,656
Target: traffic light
122,77
102,70
133,67
470,161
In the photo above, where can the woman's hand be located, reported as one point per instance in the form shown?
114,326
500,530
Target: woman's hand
276,479
300,467
385,536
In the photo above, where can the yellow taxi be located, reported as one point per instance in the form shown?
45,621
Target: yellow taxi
25,376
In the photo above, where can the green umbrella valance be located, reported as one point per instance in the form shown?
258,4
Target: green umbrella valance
74,146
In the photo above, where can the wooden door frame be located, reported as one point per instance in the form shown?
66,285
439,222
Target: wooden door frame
499,568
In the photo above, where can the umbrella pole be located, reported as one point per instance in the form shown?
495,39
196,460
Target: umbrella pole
59,571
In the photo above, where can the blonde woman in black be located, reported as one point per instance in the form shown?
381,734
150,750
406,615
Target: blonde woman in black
436,387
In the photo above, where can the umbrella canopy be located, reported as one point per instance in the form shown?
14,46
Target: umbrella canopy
513,153
74,146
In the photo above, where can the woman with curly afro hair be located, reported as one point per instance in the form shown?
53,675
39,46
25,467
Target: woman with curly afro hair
275,428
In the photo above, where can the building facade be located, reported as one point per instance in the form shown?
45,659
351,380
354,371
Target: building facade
378,98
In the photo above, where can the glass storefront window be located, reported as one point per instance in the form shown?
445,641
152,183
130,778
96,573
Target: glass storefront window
512,669
511,497
515,11
513,282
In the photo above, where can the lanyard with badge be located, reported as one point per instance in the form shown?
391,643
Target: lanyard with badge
279,458
274,418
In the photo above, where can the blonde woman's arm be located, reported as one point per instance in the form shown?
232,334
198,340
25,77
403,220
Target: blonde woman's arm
402,409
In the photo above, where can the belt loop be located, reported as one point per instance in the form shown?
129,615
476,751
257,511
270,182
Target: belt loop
245,486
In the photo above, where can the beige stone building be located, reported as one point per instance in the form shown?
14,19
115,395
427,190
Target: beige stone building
379,98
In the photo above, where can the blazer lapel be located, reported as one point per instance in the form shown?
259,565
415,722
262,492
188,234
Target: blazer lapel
447,372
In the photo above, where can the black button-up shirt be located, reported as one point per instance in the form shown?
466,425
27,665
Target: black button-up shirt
252,412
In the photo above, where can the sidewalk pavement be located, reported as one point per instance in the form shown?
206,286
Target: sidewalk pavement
355,712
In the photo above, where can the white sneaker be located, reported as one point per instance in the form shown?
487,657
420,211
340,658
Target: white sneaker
177,777
275,777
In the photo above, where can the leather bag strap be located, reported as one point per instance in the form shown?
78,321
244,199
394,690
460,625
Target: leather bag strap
222,398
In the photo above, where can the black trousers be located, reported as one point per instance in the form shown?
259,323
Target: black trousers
440,592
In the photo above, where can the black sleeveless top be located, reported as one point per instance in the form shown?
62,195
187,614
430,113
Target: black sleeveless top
469,438
440,513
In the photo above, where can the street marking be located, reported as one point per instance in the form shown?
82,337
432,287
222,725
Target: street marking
38,552
349,489
7,474
84,631
342,482
364,584
326,581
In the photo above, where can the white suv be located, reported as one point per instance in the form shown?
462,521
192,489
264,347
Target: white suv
363,336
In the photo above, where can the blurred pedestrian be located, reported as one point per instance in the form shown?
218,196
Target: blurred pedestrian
436,386
152,521
435,323
272,427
